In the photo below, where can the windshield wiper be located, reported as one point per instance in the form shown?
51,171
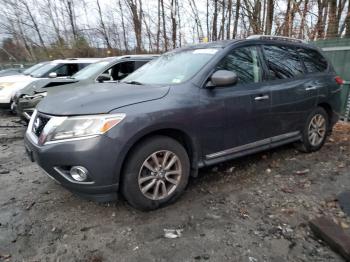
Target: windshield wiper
133,83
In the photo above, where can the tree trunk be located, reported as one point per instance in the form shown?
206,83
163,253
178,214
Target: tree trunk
235,25
36,27
347,22
207,20
222,27
215,21
72,19
303,17
158,26
228,26
136,12
173,21
164,27
103,26
123,27
287,19
332,29
269,17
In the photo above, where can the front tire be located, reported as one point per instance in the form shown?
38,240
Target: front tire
13,109
315,131
156,173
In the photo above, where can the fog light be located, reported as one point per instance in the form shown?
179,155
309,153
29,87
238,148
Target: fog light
78,173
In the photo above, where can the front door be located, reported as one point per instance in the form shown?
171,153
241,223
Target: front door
246,104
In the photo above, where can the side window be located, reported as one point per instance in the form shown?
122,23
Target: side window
72,69
62,70
66,70
122,70
282,62
81,66
138,64
245,63
313,60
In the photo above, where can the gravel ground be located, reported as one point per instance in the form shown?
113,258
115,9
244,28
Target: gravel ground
252,209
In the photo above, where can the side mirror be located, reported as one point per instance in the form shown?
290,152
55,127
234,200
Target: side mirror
104,77
223,78
53,75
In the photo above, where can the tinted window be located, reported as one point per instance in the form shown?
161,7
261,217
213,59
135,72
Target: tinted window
138,64
81,66
122,70
313,60
62,70
66,70
282,62
244,62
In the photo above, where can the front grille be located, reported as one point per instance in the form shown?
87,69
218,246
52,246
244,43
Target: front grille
39,124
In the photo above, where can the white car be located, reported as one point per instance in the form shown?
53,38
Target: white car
9,85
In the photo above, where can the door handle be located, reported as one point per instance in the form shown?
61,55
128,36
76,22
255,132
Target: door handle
310,88
259,98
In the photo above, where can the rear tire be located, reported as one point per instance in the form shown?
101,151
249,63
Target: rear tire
315,131
156,173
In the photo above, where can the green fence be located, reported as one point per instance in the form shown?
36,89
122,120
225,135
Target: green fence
338,52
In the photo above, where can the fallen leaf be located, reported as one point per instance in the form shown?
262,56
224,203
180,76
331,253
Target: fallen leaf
302,172
344,225
287,190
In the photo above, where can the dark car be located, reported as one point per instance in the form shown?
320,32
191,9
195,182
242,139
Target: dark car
111,69
192,107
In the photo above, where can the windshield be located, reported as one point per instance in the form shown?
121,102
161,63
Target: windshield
90,70
31,69
172,68
44,70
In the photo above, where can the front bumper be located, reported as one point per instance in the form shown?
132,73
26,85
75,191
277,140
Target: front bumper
96,154
5,99
26,106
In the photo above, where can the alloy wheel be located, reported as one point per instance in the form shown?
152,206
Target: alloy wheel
317,130
160,175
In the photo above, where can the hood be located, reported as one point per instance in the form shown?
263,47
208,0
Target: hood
43,85
97,98
16,78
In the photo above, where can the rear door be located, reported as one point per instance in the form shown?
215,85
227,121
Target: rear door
293,93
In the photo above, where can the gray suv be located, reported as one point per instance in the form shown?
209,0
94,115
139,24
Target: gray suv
192,107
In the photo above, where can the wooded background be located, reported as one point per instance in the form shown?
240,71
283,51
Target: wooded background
33,30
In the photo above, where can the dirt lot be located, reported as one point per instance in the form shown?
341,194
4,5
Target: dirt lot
252,209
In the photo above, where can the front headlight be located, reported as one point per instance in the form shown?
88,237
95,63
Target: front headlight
6,85
63,128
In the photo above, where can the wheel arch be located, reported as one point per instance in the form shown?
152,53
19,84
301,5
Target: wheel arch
175,133
327,107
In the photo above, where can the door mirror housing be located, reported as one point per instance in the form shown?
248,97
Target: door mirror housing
103,77
53,75
223,78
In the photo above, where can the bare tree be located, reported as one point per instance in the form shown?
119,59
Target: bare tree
136,13
347,21
123,27
173,21
164,26
235,25
269,16
103,29
214,33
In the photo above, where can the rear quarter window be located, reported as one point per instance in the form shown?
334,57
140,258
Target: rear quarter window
313,60
282,61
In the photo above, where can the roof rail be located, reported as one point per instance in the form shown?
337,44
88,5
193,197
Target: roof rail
280,38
